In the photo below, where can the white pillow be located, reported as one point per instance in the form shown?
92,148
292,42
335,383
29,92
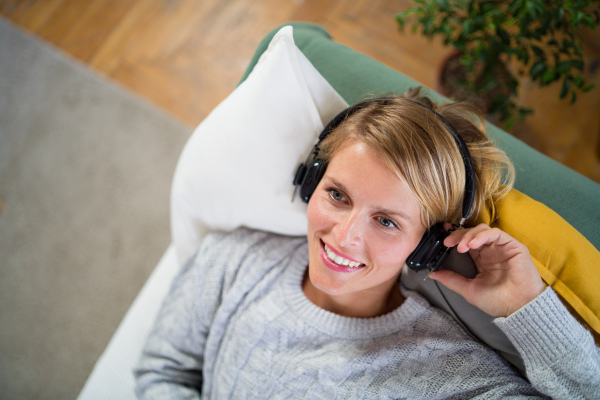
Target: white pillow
237,167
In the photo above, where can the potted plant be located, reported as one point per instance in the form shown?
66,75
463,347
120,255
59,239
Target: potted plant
499,41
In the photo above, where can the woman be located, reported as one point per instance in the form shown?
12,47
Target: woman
257,315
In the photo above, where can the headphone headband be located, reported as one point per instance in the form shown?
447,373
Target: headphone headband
469,196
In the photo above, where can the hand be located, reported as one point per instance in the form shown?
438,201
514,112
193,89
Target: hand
507,278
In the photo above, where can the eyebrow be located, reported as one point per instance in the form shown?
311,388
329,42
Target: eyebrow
381,210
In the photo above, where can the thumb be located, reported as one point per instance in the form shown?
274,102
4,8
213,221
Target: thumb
452,281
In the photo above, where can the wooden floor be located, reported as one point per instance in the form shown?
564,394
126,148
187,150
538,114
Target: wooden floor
188,55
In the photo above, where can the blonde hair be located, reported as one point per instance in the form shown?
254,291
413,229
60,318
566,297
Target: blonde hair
417,146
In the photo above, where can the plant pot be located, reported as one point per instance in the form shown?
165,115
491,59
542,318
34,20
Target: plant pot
450,82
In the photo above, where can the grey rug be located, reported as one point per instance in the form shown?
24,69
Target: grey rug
85,172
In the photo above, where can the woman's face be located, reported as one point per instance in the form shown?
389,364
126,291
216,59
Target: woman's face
363,222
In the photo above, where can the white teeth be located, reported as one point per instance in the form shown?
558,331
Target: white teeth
339,259
330,254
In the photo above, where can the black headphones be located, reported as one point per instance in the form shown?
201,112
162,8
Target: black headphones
430,252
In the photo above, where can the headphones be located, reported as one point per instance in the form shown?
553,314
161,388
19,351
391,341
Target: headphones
430,252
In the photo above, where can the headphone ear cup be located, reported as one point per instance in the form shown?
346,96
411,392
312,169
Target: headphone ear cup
313,175
430,251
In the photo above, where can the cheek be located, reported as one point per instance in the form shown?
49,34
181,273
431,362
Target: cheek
317,216
395,252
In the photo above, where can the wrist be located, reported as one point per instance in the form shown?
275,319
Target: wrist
547,315
525,297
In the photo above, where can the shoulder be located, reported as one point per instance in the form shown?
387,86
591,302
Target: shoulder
226,254
244,242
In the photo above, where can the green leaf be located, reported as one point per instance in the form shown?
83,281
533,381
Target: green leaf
491,84
565,88
447,31
561,14
504,36
549,76
578,81
525,57
563,67
467,61
427,27
546,25
523,112
516,6
577,18
537,51
588,87
523,25
537,69
578,64
588,21
466,26
534,8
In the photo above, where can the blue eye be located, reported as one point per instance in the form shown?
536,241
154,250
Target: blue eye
387,223
336,195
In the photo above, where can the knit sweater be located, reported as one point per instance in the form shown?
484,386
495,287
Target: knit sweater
237,325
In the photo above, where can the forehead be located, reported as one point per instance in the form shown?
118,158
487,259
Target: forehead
369,181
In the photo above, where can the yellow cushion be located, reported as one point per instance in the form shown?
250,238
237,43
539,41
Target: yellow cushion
565,259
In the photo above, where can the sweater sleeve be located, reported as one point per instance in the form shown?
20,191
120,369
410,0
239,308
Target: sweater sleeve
180,349
171,363
561,358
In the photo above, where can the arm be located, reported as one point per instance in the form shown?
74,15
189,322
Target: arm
560,356
171,363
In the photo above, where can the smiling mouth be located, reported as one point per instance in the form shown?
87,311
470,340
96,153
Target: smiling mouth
339,260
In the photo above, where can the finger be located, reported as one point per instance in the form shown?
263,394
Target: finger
458,235
490,236
461,237
455,237
452,281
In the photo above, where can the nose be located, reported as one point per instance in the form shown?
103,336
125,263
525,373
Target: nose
349,230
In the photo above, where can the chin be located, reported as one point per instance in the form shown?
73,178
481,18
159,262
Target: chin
325,284
325,275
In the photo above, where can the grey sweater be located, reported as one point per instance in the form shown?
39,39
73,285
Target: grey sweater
237,325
